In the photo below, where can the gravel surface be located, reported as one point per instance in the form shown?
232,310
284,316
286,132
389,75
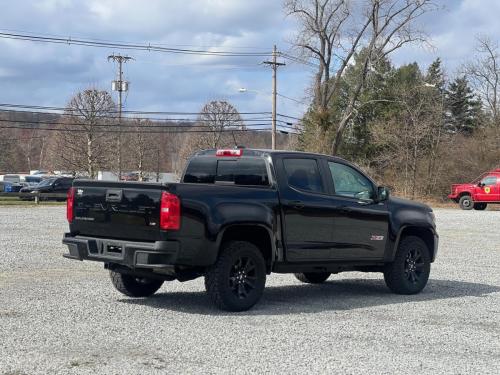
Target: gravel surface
59,316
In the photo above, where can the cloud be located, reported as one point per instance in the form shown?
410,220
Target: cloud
453,33
45,74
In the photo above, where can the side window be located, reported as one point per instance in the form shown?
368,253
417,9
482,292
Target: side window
349,182
488,181
303,174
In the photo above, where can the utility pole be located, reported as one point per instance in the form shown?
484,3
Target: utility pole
274,65
119,85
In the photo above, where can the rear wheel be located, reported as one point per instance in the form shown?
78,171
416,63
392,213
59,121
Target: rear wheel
480,206
409,272
466,202
237,280
134,286
313,277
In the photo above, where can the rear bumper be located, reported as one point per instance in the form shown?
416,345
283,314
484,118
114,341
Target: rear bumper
158,254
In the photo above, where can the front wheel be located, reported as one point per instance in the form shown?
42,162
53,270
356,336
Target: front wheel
480,206
466,202
134,286
237,280
313,277
409,272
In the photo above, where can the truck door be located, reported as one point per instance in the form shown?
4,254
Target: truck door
360,225
307,220
488,190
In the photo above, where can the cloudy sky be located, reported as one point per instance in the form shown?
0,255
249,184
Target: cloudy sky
46,74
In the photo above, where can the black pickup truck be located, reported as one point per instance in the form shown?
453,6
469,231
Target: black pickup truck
240,214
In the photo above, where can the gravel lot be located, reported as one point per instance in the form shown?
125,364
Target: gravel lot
62,316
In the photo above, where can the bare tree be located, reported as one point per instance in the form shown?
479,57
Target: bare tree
484,74
85,142
409,135
334,31
219,117
144,147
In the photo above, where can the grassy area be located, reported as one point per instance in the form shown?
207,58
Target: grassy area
14,201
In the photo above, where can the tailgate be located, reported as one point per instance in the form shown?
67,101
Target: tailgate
121,210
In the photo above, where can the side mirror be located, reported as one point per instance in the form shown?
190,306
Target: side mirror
383,193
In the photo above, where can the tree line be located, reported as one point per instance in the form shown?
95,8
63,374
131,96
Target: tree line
86,137
414,128
417,129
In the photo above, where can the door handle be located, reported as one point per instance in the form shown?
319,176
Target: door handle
345,210
297,204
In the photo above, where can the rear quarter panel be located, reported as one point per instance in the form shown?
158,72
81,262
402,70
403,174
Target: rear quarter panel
208,209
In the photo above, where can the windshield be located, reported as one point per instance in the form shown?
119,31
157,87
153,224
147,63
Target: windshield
46,182
478,179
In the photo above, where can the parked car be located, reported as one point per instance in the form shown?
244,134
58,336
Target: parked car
10,187
15,178
54,185
32,180
478,193
239,215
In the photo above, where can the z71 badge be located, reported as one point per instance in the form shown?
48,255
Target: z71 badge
376,238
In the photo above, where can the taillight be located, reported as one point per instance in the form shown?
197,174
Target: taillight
170,211
70,202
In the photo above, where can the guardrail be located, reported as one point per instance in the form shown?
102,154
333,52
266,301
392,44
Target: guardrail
37,197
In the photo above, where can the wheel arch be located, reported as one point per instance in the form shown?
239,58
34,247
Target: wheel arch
424,233
257,234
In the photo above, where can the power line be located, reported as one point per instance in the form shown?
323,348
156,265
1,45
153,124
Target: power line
137,112
298,60
127,45
128,125
127,119
229,130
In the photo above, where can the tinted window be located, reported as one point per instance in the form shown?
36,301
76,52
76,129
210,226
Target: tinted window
349,182
65,183
201,170
32,179
242,172
46,182
303,174
490,180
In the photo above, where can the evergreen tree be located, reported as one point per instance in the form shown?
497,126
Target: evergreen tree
435,75
463,107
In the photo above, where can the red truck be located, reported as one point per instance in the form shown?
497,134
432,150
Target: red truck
478,193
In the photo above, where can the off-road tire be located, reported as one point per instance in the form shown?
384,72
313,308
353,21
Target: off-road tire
313,277
406,275
480,206
134,286
237,280
466,202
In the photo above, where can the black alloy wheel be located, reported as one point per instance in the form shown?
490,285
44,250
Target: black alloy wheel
409,272
237,280
414,266
242,277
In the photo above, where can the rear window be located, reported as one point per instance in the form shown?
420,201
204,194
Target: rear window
244,171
